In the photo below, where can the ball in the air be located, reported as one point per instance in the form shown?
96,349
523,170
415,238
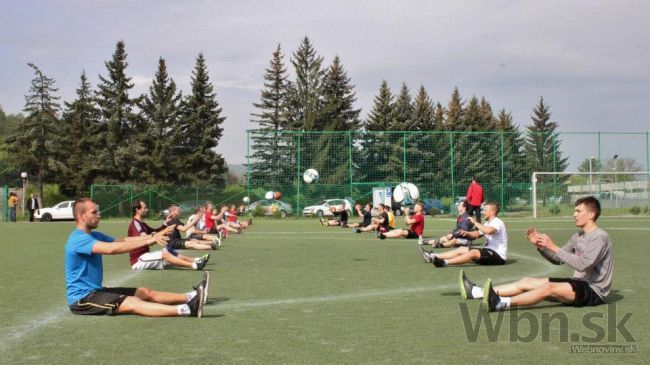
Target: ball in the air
406,191
310,176
246,200
277,195
268,195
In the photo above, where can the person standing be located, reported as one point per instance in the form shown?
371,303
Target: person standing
32,205
12,202
475,198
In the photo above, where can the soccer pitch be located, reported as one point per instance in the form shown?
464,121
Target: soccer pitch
292,291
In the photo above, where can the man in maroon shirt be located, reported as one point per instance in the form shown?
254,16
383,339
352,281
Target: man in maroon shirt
475,198
416,222
142,259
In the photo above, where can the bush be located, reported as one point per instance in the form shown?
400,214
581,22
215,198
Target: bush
646,210
555,209
52,195
434,212
277,214
635,210
259,211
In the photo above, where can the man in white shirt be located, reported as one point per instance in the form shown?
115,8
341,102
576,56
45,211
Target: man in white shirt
493,253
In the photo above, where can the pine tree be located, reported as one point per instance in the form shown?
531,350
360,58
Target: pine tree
337,114
200,131
160,113
119,119
272,159
82,143
542,147
35,144
421,154
380,159
514,159
403,111
308,86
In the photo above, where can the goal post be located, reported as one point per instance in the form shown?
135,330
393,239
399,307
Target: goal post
614,189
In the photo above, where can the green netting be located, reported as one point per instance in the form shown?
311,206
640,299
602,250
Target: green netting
116,200
441,164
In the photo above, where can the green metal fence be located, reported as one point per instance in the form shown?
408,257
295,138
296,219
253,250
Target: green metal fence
116,200
441,164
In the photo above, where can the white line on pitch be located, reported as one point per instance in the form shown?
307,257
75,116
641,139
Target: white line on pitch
48,318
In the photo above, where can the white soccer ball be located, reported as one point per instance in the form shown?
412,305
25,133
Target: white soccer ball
268,195
310,176
246,200
406,192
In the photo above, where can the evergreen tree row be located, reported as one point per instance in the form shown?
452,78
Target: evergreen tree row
106,135
320,99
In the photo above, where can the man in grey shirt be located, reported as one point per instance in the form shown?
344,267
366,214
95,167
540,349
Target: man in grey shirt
588,251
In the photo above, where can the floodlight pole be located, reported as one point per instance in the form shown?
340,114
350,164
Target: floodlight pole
591,177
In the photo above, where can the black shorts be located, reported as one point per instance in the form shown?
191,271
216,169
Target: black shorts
176,244
411,234
488,257
103,301
213,230
585,295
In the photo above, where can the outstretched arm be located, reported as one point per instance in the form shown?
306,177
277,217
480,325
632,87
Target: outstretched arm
129,243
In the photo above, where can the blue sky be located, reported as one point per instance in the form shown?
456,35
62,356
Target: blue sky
589,59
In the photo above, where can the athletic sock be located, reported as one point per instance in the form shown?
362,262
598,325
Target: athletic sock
194,265
189,296
504,303
197,259
184,310
477,292
445,262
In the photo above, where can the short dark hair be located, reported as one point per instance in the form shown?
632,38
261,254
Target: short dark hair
380,205
137,204
495,205
465,204
79,207
592,205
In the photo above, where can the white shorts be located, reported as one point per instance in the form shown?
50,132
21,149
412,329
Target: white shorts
463,242
150,261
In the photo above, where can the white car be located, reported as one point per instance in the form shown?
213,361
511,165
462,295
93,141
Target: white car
322,208
61,211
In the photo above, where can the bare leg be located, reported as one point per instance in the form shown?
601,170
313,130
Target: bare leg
396,233
198,245
468,256
453,253
521,286
135,305
154,296
177,261
561,292
369,228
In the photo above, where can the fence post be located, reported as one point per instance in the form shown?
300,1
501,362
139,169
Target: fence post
403,156
503,205
349,159
451,154
299,182
248,165
647,164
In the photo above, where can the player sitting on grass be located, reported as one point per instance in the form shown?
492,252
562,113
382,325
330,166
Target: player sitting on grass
84,273
215,222
366,213
339,211
588,252
454,239
376,223
233,220
416,222
176,242
493,253
196,229
142,259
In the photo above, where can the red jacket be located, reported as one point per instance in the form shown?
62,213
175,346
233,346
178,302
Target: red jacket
475,194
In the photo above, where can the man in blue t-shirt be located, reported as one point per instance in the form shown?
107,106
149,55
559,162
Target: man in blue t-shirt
84,273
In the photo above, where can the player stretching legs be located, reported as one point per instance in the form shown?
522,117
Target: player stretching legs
493,253
588,252
84,273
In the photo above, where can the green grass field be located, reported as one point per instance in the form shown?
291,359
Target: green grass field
298,293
